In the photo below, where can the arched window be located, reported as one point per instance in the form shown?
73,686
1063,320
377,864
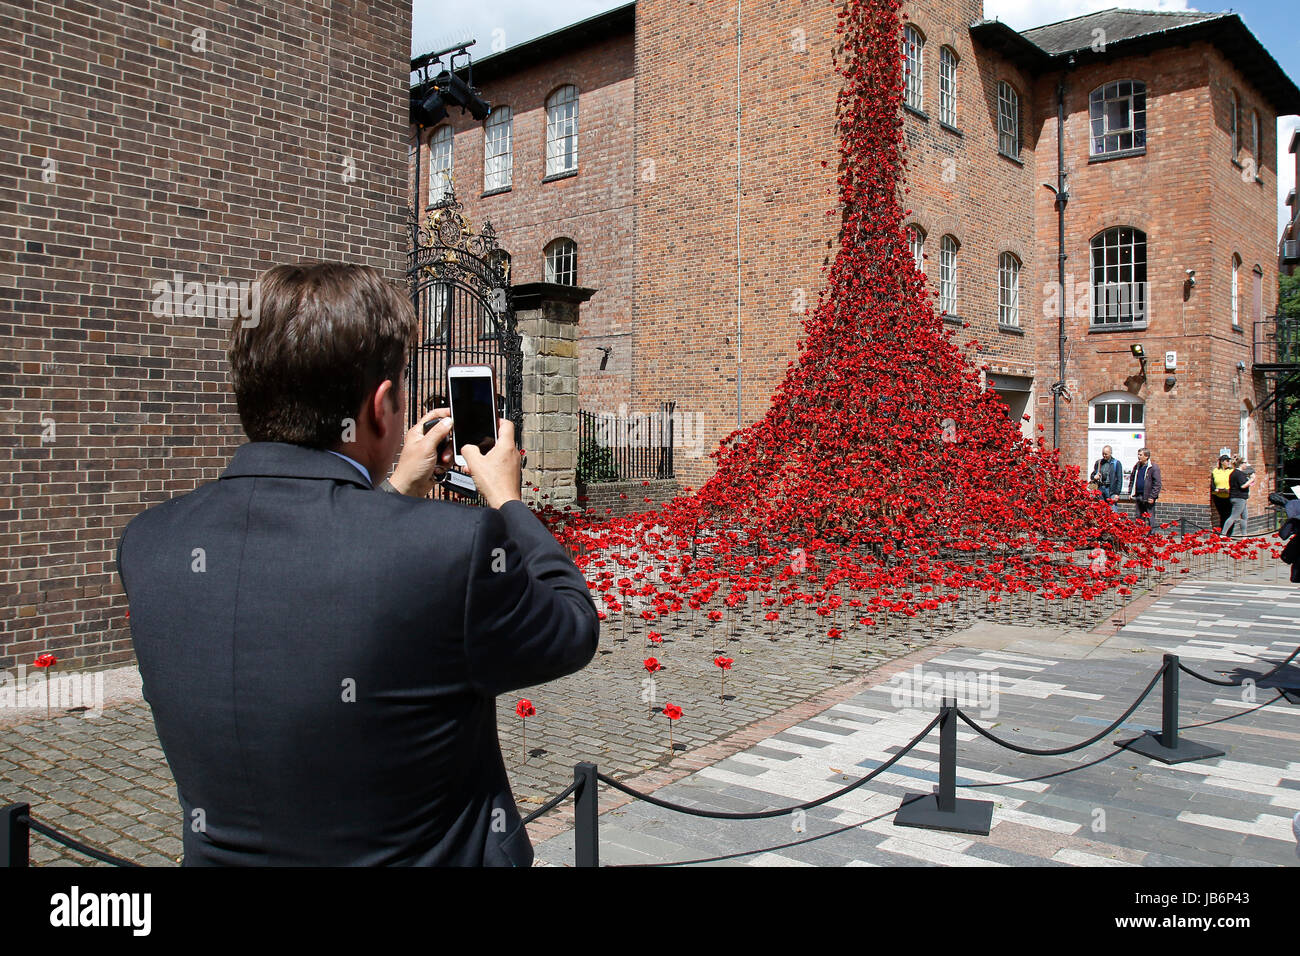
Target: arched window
1008,120
562,131
498,155
1254,139
1118,116
1117,419
948,275
440,159
1008,290
948,86
916,242
1119,277
1236,290
562,262
914,67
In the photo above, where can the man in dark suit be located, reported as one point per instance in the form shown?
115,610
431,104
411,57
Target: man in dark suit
322,658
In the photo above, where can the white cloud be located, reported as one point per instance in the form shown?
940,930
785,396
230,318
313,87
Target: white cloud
1023,14
1286,125
495,24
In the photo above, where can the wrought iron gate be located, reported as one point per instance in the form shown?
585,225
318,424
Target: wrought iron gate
460,287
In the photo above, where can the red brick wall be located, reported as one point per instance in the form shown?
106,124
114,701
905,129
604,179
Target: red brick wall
136,149
1190,200
593,208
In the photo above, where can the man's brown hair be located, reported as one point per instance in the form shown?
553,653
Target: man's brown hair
325,336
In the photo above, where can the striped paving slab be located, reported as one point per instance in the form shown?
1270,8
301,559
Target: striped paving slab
1103,806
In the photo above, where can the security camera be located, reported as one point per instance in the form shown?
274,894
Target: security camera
1241,366
1191,277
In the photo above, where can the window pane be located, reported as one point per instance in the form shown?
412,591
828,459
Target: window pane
562,130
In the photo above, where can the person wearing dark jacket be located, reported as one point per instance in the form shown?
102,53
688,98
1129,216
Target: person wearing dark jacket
323,658
1108,473
1144,486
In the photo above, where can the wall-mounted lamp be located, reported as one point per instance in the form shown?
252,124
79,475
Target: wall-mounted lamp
1139,354
605,357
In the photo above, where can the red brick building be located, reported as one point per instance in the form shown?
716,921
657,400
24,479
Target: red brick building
155,162
704,271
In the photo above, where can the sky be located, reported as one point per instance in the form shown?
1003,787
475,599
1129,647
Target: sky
497,24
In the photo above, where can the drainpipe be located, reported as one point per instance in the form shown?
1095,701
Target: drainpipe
1062,197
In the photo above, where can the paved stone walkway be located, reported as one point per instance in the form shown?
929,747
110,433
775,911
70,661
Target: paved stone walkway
105,778
1115,808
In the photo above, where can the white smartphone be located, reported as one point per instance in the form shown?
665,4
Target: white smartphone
472,389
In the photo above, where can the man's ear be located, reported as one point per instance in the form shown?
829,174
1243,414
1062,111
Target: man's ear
381,401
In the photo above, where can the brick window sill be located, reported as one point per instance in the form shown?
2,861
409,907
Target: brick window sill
555,177
1015,159
1121,154
953,319
920,114
1010,329
1239,329
1119,327
951,129
496,192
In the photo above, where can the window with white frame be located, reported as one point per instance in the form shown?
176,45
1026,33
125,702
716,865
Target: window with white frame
1008,290
916,242
947,86
1236,290
562,262
1008,120
1119,277
914,67
948,275
440,159
1118,116
1254,137
562,131
498,158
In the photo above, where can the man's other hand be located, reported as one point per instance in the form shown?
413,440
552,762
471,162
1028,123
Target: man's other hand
419,466
499,473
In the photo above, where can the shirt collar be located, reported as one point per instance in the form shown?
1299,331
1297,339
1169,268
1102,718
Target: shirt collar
360,467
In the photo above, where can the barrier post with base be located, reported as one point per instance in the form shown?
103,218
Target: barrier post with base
942,810
1167,746
15,835
586,839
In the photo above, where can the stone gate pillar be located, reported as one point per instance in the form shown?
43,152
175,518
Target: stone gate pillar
546,315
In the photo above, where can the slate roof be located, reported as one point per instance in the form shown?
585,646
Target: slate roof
1069,36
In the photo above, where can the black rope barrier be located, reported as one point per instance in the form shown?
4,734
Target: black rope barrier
1058,751
767,849
72,843
767,814
552,803
1230,683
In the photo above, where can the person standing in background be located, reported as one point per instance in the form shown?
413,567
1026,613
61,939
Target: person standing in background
1144,486
1108,473
1239,483
1219,488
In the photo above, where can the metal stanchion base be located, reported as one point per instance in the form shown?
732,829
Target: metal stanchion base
922,810
1149,745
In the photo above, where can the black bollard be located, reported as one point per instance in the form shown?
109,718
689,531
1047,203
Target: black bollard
942,810
15,835
1166,746
586,839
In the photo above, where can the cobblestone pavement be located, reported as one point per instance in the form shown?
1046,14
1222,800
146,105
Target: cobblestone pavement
105,779
1115,808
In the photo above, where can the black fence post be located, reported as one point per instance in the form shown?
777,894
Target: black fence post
586,839
1182,525
1166,746
15,835
942,810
